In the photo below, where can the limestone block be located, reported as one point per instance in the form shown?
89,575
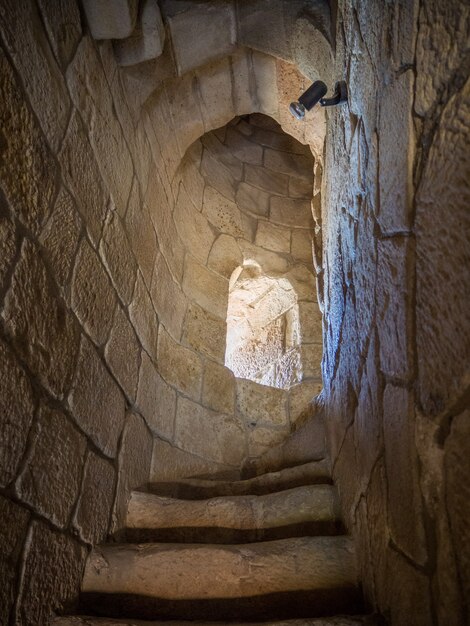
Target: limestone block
409,594
273,237
52,574
27,43
141,234
156,400
213,436
204,332
144,318
185,109
202,33
310,41
43,331
60,236
193,227
252,199
311,356
404,496
50,479
90,93
218,389
225,215
257,403
276,139
443,330
291,212
261,28
218,176
170,463
206,288
14,520
80,171
93,298
300,188
242,87
310,322
111,19
261,439
223,154
179,366
225,256
96,401
300,400
393,302
16,409
303,282
301,245
8,246
146,41
122,353
62,22
244,149
168,299
193,183
268,261
94,505
397,154
135,457
25,151
297,165
267,180
117,256
265,74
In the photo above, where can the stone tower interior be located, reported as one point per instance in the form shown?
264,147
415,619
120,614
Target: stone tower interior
234,346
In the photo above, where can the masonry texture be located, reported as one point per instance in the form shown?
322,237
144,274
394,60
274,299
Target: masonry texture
149,171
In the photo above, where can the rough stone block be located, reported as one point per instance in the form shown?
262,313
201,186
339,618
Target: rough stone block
218,389
50,479
111,19
96,401
193,227
141,234
409,593
168,299
225,215
16,410
184,104
62,22
218,176
261,28
300,400
261,439
267,180
206,288
301,245
13,524
257,403
265,79
242,83
51,575
268,261
404,496
210,435
244,149
81,173
215,28
25,152
291,212
252,199
297,165
144,318
135,457
146,41
93,512
300,188
273,237
93,298
205,333
27,44
156,400
8,246
117,256
41,328
122,353
193,183
61,235
393,300
179,366
225,256
222,153
310,319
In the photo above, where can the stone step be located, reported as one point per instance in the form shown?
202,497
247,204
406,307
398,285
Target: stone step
308,510
288,578
367,620
315,472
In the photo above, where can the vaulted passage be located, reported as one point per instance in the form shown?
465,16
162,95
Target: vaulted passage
233,344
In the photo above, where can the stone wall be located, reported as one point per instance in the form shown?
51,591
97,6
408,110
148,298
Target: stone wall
396,227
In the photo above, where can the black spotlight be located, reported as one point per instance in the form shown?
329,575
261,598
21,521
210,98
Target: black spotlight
315,94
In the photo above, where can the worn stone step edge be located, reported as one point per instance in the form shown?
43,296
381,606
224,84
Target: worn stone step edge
314,472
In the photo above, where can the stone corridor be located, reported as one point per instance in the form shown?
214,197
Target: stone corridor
234,346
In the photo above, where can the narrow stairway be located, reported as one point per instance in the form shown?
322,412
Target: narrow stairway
266,549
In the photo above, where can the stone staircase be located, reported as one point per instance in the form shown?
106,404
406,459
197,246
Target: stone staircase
266,549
